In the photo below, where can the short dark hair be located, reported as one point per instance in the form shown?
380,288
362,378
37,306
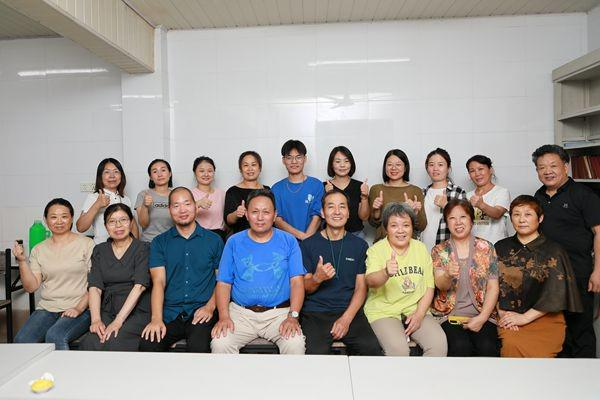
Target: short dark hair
399,209
179,189
527,200
440,152
462,203
550,149
332,192
151,183
261,193
346,152
293,144
478,158
100,170
403,157
113,208
249,153
58,202
201,159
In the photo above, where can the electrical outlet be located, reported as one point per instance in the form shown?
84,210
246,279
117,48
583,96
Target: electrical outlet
87,187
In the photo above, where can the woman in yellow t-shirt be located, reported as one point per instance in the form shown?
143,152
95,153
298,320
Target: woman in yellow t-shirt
401,286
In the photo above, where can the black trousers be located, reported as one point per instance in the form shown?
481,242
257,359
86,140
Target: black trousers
198,336
580,339
360,339
466,343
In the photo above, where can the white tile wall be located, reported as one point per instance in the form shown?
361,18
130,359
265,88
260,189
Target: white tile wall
469,85
55,128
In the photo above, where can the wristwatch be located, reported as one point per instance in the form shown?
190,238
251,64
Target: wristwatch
293,314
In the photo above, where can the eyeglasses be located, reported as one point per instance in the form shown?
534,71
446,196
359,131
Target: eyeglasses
115,222
294,158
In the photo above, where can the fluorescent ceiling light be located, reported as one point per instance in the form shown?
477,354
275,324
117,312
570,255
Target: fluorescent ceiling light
62,72
372,61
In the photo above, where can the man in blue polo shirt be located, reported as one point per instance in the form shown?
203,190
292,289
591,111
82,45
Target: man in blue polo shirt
260,285
182,266
297,197
335,284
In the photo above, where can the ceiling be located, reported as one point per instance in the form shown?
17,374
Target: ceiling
202,14
14,25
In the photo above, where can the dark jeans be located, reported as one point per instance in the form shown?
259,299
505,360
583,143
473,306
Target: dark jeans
360,339
466,343
580,339
198,336
50,327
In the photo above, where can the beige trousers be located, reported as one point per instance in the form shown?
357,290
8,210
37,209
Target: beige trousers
249,325
430,336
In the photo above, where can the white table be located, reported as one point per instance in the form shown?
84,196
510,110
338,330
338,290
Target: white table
16,357
105,375
474,378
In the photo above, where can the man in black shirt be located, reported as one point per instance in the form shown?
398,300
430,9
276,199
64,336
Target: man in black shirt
572,219
335,284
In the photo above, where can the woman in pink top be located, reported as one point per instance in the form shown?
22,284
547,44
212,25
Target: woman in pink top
210,201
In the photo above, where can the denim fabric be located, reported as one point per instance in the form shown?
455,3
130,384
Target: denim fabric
50,327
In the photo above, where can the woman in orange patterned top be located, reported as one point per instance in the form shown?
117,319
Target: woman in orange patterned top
466,280
536,285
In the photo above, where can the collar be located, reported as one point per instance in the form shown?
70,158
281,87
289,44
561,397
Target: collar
561,189
533,245
449,187
199,231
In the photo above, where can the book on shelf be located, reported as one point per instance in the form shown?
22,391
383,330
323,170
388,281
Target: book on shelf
585,167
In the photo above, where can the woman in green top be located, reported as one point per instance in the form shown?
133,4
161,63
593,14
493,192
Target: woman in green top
401,285
395,174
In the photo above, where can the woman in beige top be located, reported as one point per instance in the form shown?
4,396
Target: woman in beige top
395,188
59,265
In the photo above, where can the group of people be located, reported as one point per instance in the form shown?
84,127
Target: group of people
290,264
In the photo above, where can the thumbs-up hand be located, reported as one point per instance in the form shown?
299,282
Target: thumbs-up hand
364,188
103,199
476,200
453,269
241,210
413,203
19,251
147,199
391,265
378,202
204,203
328,186
323,272
441,200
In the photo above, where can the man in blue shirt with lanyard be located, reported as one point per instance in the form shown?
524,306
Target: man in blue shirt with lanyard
260,286
182,266
335,284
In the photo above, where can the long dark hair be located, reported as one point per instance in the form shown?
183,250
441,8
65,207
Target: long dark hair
100,170
151,183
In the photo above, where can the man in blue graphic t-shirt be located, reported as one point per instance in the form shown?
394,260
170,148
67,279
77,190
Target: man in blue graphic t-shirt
260,284
297,197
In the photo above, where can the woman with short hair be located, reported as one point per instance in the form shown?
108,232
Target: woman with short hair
119,302
537,284
466,279
400,279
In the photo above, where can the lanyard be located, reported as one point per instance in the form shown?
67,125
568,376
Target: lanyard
337,265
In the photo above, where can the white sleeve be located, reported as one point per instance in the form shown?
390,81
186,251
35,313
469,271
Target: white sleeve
125,200
89,201
503,198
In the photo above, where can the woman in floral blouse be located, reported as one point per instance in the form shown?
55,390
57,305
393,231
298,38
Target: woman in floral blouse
466,280
536,285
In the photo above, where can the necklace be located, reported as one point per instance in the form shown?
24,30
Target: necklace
287,185
337,265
